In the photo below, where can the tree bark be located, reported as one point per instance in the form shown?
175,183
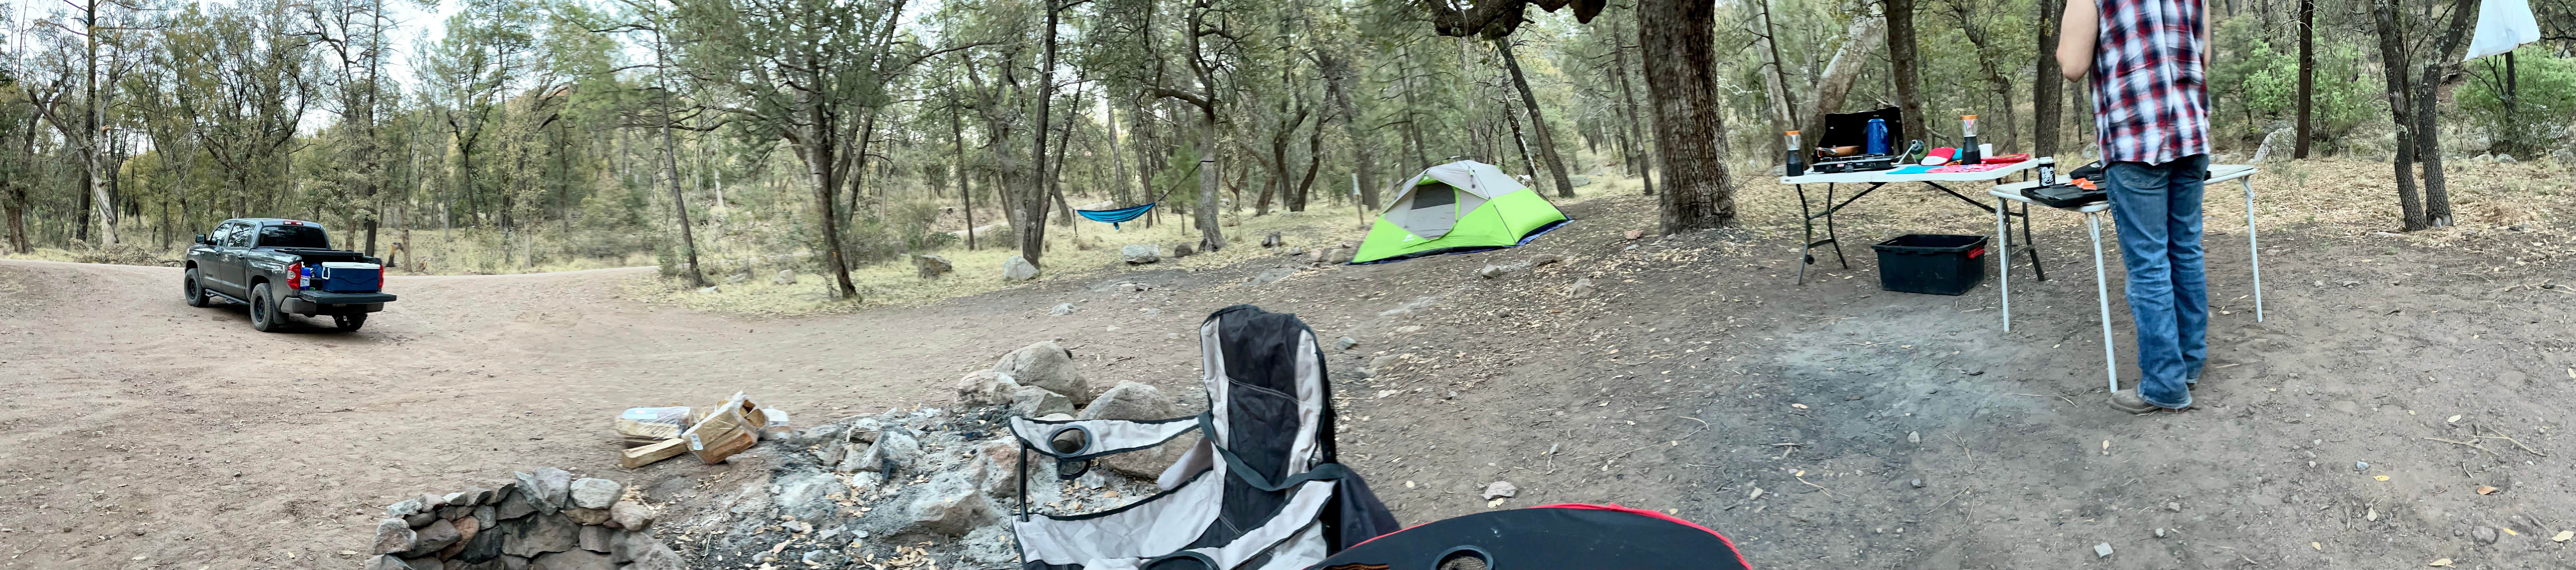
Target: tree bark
1676,37
2428,133
2392,54
965,168
1860,40
1775,83
1901,56
2046,89
1338,80
1546,138
1031,226
1642,162
2307,75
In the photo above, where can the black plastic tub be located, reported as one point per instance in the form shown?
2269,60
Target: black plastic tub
1938,264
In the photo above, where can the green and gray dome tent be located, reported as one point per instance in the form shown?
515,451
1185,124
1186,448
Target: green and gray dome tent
1458,207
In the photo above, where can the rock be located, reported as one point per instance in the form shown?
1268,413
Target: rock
433,538
1293,252
928,266
2102,550
572,560
539,535
1129,401
985,388
893,445
546,488
2160,533
486,515
1582,289
803,493
950,505
1272,240
2484,534
655,556
407,507
1061,309
710,289
2504,159
1271,276
785,277
485,545
1184,250
1346,343
466,529
2175,507
1500,489
392,536
737,278
587,516
421,519
1917,483
1635,234
1490,271
1044,364
1336,256
1543,259
630,515
1032,401
596,493
1018,269
1579,180
823,559
2360,465
391,562
999,461
594,538
1140,253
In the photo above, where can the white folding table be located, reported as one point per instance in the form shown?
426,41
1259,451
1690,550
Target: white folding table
1875,179
2006,193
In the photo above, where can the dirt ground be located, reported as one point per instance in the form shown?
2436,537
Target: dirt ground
147,434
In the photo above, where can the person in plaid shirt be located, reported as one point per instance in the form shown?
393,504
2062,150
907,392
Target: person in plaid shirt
2146,60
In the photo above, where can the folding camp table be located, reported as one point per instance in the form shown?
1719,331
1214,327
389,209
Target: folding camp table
2007,193
1875,179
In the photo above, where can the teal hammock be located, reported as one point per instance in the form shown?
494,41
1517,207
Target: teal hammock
1130,213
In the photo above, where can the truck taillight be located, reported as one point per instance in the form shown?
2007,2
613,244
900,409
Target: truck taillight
297,274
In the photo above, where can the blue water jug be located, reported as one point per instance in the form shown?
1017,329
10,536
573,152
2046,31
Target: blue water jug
1877,133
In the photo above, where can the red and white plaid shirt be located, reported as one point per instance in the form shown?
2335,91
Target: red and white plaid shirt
2150,81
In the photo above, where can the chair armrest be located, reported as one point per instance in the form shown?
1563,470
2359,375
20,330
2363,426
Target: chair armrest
1101,437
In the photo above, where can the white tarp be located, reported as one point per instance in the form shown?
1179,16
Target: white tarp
2502,25
1473,183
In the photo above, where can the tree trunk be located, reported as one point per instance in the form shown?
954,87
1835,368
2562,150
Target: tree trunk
1775,83
2392,54
1546,138
1210,238
1519,141
1314,159
965,168
2307,75
2046,93
1118,195
2428,133
1901,56
1860,40
1690,123
1642,162
1339,80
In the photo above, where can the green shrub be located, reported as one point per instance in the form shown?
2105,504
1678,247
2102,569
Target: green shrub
2546,87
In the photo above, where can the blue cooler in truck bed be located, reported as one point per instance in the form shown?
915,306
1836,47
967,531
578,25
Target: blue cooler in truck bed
349,277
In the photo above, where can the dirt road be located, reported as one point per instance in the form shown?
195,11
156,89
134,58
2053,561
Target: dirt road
143,433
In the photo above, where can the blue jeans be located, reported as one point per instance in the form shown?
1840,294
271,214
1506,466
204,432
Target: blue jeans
2158,208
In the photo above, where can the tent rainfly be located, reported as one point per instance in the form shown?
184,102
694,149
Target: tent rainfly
1457,208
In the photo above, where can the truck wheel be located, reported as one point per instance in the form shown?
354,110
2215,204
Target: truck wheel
264,315
349,322
194,293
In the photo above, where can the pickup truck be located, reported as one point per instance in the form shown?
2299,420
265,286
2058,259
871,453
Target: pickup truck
280,267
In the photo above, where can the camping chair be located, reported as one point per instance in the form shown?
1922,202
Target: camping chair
1260,490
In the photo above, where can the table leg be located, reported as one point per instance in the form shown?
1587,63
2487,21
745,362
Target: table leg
2253,248
2032,245
2003,256
2102,293
1832,234
1806,245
